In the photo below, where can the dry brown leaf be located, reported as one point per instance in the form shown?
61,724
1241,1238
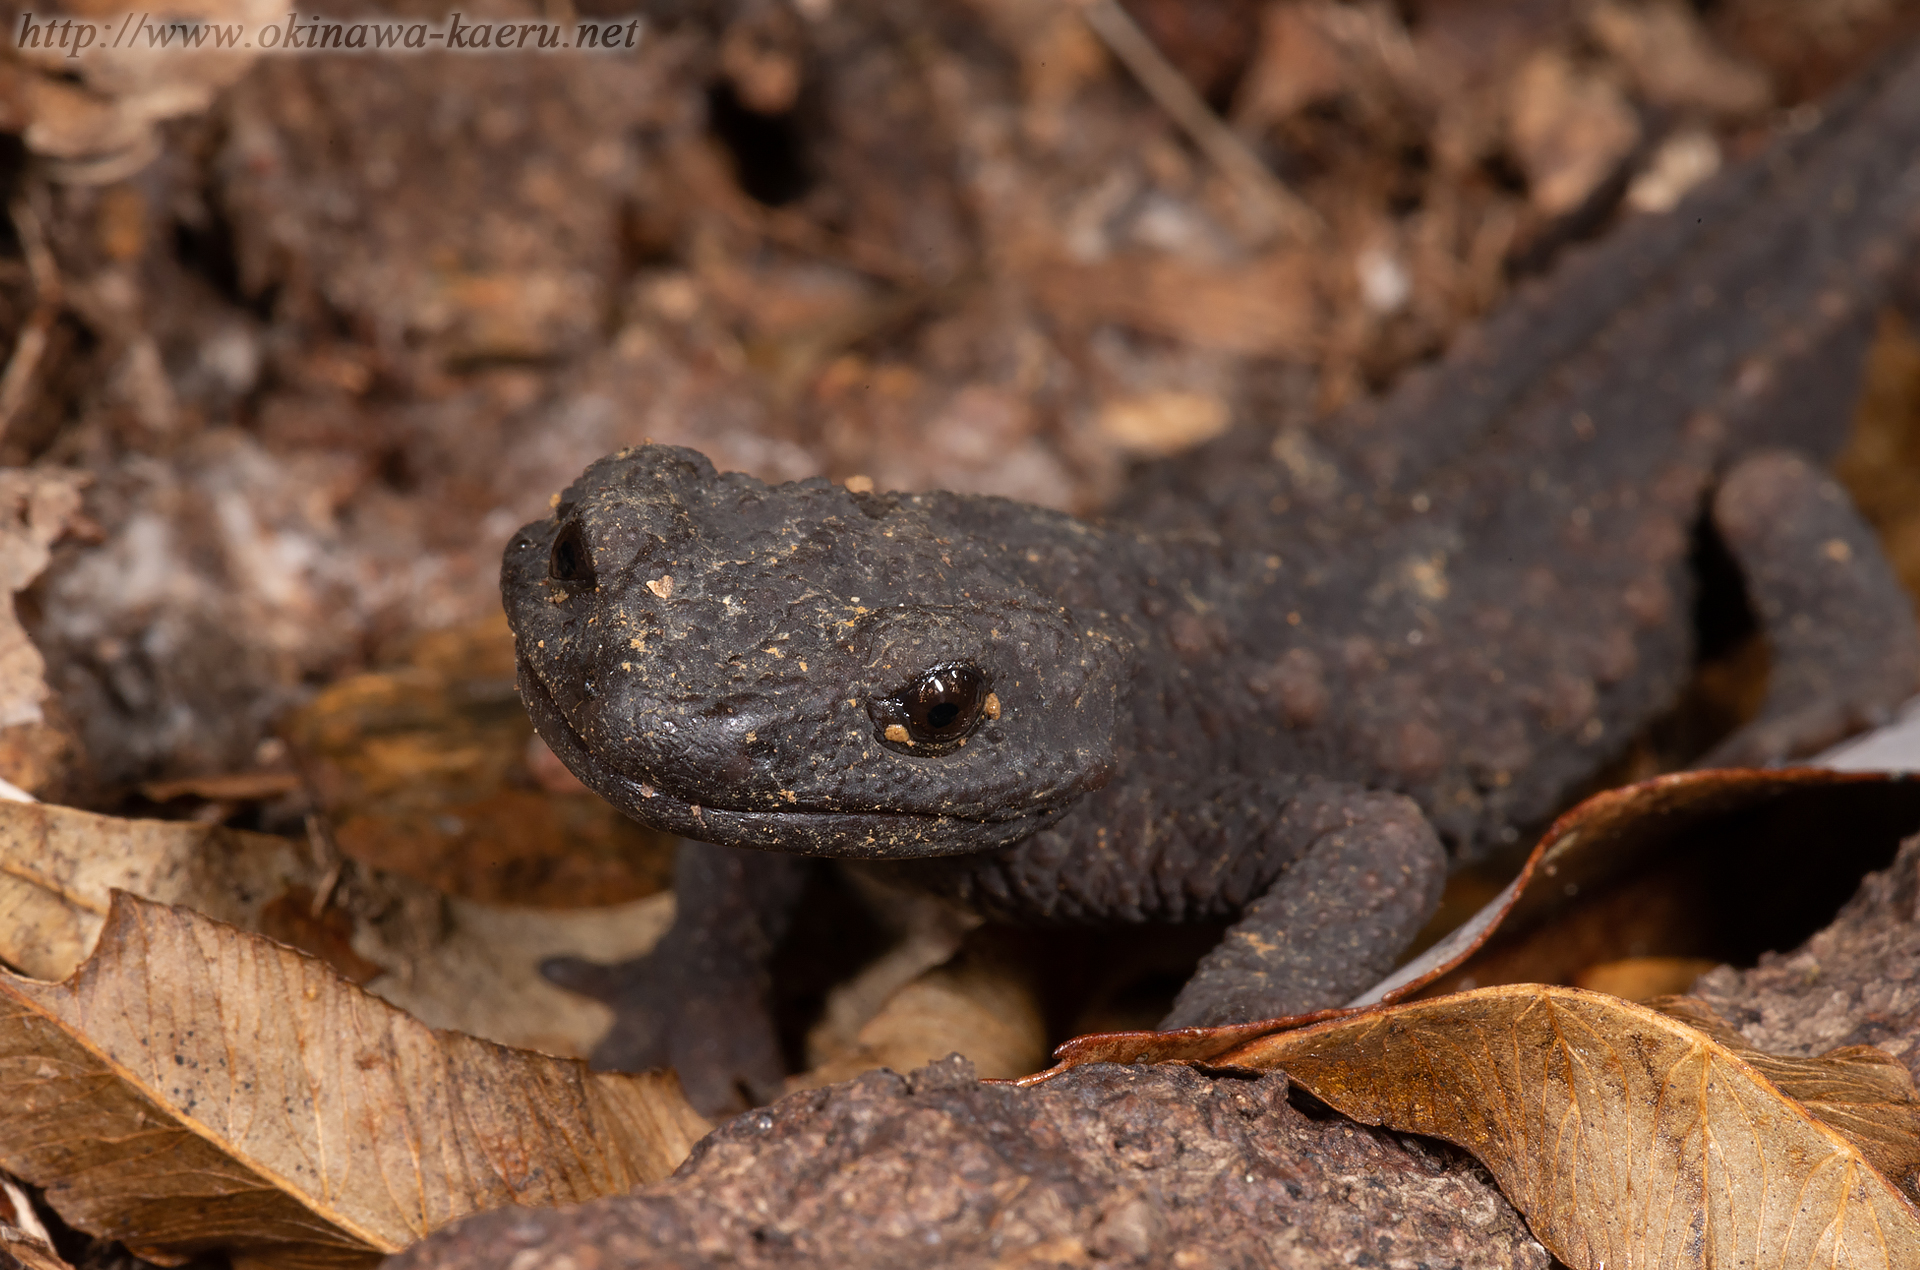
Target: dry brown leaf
1861,1092
194,1087
1630,1137
1321,51
478,969
59,868
1710,864
1163,422
36,506
455,964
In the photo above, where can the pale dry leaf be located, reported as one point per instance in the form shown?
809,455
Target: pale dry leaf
1893,748
1321,50
930,933
36,506
59,868
1861,1092
23,1252
1678,165
194,1087
479,971
986,1010
1163,422
1626,1136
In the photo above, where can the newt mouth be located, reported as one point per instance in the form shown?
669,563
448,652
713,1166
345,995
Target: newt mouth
799,830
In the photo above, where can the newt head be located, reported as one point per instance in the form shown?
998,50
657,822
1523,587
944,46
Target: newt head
808,669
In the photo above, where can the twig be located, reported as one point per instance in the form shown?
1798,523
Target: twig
32,341
326,854
1171,91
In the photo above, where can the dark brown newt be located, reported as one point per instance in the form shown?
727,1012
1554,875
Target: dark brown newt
1293,675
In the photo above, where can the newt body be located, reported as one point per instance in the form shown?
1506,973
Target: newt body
1291,676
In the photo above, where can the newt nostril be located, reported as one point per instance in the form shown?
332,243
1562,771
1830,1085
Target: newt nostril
571,560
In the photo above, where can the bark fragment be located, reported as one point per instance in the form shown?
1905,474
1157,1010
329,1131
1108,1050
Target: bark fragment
1106,1166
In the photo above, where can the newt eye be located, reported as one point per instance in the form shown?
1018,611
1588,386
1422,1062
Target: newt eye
938,709
571,561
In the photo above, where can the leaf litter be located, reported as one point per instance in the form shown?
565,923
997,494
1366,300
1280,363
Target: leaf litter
1629,1136
299,475
194,1088
454,963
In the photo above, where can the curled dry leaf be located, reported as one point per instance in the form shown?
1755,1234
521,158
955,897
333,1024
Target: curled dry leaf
1570,126
1861,1092
1631,1137
194,1087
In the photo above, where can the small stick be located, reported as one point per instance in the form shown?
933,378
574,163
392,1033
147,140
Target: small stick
32,341
1171,91
327,854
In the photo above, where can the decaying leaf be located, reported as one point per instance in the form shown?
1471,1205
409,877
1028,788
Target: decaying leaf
453,963
1570,127
194,1087
430,768
1627,1136
1631,1137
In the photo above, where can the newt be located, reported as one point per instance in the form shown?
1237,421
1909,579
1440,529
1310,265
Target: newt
1292,677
